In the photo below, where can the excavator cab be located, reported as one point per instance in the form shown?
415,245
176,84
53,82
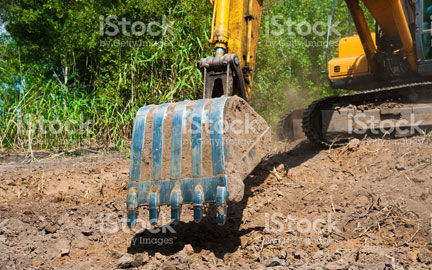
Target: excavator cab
426,28
424,36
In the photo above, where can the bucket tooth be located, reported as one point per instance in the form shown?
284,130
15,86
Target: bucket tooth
221,205
153,208
132,207
175,205
195,153
198,204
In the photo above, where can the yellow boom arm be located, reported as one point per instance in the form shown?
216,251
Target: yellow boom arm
235,28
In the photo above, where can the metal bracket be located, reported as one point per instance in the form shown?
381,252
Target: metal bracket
222,76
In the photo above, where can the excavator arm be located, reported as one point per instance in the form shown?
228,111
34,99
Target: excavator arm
235,27
199,152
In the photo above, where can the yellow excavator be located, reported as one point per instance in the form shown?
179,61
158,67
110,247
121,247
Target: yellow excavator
199,152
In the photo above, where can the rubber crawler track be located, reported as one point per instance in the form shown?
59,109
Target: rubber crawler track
312,125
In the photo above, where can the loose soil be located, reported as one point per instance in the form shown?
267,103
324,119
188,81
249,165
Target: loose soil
367,205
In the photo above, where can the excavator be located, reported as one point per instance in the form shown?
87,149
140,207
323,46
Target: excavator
199,152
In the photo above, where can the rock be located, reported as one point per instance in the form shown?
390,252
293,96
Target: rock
180,261
115,253
94,237
353,144
139,260
125,261
189,249
425,256
274,261
283,254
400,167
159,256
281,168
62,247
317,255
37,263
63,219
297,255
258,266
87,227
168,266
323,244
51,228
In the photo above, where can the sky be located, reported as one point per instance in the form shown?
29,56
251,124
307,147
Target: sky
2,28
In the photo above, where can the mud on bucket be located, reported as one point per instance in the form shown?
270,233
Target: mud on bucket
194,152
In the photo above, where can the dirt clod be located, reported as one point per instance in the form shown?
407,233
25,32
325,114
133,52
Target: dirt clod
138,260
274,261
189,249
125,261
62,247
51,228
353,144
425,256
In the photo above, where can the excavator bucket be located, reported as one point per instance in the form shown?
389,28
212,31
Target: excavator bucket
194,152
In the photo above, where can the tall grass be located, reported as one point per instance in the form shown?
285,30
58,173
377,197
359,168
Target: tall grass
106,95
53,116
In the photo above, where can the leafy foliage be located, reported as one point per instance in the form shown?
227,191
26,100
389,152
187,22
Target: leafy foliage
59,64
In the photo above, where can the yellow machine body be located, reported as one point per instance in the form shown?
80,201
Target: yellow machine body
351,60
357,66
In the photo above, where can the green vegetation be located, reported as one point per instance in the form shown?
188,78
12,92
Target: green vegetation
57,68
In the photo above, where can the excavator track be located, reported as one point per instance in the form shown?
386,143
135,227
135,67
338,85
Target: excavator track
312,120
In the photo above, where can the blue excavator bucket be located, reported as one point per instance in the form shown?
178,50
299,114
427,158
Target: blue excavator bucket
196,153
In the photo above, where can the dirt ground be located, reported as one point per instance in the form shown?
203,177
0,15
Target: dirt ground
367,205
